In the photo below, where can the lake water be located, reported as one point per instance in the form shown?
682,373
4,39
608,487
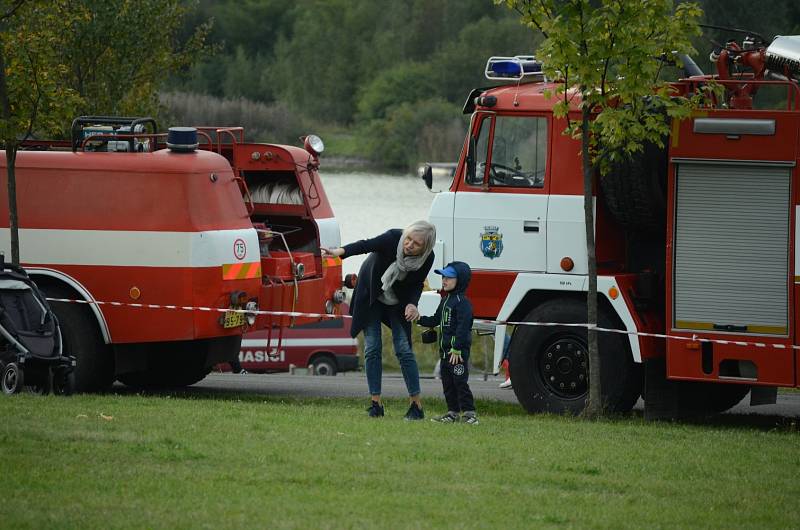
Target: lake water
367,204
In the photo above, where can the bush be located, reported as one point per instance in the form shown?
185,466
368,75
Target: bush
426,130
262,122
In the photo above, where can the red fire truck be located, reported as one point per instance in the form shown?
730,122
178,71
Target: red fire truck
167,243
324,346
696,240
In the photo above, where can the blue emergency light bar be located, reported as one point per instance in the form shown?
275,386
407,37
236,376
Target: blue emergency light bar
512,68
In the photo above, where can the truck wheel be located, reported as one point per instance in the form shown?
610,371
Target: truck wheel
80,334
174,365
12,379
324,365
633,387
63,382
635,191
696,398
551,364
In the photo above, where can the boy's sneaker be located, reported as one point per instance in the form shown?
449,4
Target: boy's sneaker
450,417
470,419
506,383
414,413
375,410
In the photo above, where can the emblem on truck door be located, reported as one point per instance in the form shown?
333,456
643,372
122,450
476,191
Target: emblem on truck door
491,242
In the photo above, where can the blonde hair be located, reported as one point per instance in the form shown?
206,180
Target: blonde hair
427,230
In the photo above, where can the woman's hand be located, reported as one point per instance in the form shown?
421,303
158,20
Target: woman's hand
334,252
455,358
412,313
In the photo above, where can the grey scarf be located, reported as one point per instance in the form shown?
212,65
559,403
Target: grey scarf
398,270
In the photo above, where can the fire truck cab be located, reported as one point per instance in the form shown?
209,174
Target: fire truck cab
166,244
695,241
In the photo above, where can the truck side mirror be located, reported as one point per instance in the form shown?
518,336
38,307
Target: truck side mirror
427,176
471,160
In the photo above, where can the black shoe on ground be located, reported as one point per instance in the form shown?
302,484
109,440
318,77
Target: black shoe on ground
450,417
414,413
470,419
375,410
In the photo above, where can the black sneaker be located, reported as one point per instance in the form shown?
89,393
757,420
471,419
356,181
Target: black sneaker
375,410
414,413
450,417
470,419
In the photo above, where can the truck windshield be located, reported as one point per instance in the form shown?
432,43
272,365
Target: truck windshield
518,152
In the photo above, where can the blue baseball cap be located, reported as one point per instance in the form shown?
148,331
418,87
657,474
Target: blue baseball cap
449,272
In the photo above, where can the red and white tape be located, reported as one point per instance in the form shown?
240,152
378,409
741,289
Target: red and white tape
693,338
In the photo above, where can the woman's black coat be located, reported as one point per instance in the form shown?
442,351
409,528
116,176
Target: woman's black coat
369,287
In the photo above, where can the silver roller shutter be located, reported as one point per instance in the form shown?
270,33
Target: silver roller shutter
731,247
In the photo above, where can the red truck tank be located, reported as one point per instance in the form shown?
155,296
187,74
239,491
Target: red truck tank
120,220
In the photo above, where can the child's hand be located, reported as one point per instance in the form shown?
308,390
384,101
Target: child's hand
455,357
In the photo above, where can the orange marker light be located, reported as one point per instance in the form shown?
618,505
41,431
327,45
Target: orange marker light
567,264
135,293
613,293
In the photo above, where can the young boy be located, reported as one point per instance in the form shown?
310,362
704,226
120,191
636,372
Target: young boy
454,318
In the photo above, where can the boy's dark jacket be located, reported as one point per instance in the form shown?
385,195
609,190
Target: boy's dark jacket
454,315
383,252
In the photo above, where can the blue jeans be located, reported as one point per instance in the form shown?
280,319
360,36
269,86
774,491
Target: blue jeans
373,349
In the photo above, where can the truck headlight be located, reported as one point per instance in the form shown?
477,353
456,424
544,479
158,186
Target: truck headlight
250,316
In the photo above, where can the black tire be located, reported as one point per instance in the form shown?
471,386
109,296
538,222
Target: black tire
64,382
635,191
12,379
696,398
324,365
175,365
80,334
550,365
633,387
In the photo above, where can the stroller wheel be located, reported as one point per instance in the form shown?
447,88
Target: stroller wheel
12,379
63,383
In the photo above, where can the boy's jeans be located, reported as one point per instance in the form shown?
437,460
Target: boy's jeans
373,348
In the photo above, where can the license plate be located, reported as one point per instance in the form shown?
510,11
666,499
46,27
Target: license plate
233,319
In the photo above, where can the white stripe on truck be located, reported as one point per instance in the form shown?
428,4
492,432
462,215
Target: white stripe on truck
123,248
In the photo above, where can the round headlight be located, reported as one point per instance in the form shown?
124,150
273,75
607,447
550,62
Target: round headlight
313,144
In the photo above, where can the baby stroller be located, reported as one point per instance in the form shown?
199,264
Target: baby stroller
30,339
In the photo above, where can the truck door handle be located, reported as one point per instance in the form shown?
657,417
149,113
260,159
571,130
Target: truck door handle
530,226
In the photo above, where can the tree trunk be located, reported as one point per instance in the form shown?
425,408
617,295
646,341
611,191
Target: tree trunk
11,158
595,406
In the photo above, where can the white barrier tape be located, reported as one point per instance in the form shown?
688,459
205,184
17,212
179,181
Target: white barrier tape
693,338
193,308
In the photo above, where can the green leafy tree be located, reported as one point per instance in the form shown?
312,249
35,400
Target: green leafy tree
32,96
405,83
119,52
606,53
422,130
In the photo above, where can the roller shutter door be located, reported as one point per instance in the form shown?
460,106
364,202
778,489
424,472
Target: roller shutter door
731,248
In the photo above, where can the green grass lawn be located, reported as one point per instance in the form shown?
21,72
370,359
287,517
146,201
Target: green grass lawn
178,461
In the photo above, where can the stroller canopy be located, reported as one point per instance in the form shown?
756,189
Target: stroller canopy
26,321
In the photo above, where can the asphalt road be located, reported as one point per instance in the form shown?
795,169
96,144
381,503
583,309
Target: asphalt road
354,384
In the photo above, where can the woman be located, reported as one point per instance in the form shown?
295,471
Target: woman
388,290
